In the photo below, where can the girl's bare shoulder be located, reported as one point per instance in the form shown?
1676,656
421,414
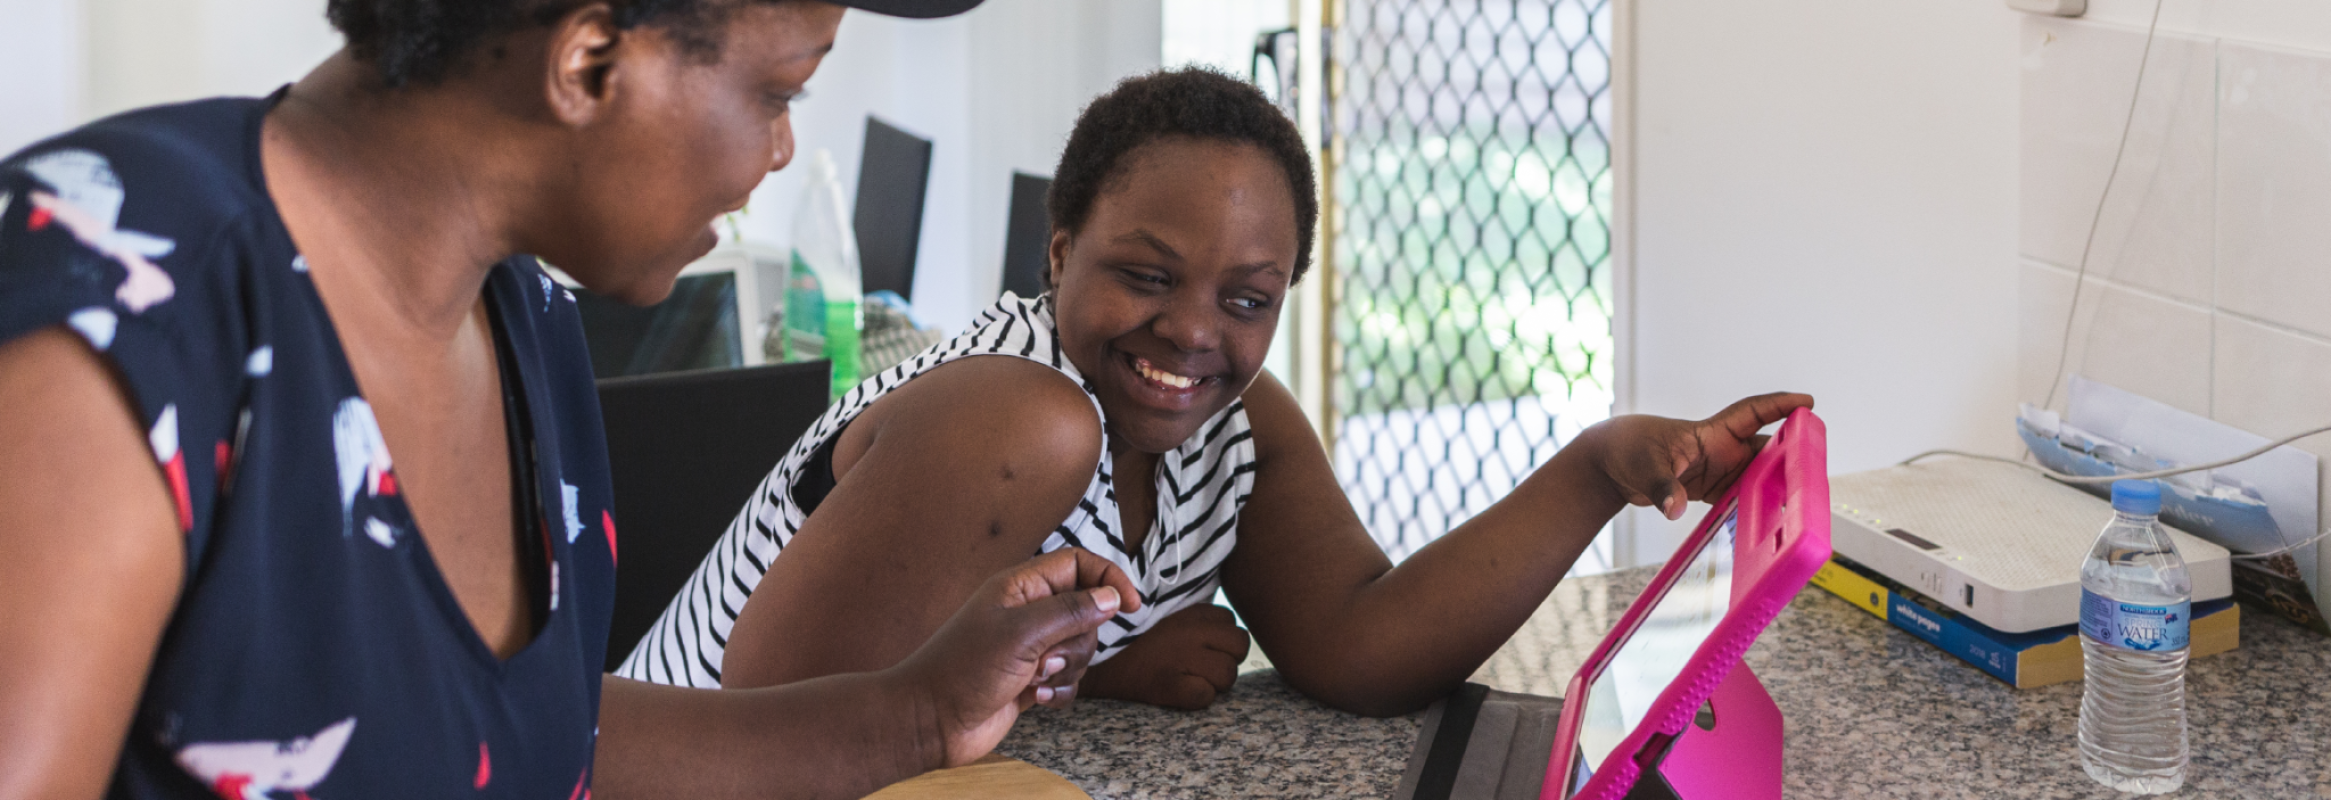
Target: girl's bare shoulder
983,409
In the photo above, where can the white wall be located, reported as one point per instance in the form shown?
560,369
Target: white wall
1823,199
142,52
40,53
996,89
2210,273
2288,23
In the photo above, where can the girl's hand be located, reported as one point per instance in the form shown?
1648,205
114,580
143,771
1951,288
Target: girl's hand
1664,463
1024,638
1185,661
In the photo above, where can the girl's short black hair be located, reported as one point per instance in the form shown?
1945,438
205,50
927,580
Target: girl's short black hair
422,41
1192,101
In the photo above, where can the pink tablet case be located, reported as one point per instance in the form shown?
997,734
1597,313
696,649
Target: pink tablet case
1782,537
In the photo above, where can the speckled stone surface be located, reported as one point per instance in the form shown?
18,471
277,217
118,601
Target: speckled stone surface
1871,712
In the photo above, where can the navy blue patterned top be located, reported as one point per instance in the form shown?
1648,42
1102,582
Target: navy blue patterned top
315,651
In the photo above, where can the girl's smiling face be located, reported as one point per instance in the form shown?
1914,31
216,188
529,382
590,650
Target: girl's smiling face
1168,295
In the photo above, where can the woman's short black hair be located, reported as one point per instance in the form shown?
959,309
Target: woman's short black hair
422,41
1192,101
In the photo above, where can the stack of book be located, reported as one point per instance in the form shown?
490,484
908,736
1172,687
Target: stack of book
2023,660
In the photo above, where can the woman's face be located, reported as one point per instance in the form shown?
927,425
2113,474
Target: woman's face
682,142
1168,295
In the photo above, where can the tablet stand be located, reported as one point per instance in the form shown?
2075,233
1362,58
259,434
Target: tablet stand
1492,745
1731,749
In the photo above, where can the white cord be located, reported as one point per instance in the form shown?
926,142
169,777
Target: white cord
2064,347
2133,476
2159,473
2080,277
2283,549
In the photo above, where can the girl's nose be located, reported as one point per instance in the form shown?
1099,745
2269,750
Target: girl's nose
1187,322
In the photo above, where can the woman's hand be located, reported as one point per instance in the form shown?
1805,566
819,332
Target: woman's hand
1024,638
1185,661
1663,463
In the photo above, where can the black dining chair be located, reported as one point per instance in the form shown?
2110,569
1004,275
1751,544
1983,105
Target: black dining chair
894,177
1027,236
686,450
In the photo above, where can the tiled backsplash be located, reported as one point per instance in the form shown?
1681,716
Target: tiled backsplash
2209,278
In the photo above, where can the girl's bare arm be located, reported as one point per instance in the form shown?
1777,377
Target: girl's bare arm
1345,626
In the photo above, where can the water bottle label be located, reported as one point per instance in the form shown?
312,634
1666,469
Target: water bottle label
2135,626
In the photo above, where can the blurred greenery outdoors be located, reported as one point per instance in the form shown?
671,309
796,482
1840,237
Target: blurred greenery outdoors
1474,268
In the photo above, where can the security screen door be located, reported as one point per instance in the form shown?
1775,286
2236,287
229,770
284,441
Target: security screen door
1469,184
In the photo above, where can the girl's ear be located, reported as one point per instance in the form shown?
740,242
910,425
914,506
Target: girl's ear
1057,255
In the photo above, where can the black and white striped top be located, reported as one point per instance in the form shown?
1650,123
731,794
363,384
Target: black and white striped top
1200,488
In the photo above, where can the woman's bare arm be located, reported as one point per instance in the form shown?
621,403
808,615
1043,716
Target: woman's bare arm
1346,627
847,735
91,560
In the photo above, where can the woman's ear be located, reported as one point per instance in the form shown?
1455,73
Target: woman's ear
583,47
1057,255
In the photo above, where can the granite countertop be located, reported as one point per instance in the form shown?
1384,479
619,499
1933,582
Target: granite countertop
1871,712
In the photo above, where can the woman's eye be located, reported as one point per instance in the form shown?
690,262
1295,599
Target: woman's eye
1250,303
1151,279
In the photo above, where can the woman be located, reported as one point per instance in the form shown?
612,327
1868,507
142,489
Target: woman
1131,417
218,321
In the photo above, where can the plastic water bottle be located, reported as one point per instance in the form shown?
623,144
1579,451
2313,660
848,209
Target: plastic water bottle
822,305
2135,603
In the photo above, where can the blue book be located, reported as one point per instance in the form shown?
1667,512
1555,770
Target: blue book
2023,660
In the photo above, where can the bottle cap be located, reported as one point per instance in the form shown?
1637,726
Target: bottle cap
2136,497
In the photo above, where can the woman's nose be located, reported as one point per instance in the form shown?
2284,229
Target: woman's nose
781,136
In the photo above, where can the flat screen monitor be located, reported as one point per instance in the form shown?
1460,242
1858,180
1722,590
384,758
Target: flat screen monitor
695,328
717,316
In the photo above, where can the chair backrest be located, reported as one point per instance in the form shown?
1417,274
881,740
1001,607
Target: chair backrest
686,450
894,174
1027,236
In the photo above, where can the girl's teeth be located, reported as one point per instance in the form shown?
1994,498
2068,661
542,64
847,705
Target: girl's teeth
1163,377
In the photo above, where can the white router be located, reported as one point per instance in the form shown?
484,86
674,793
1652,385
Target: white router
2001,544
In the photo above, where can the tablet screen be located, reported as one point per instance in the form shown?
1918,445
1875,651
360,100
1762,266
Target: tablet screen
1655,653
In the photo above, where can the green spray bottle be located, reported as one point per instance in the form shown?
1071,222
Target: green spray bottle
823,316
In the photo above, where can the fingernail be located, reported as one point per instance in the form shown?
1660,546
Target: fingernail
1105,598
1053,666
1043,694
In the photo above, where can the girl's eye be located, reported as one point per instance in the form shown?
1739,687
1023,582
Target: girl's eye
1249,303
1151,279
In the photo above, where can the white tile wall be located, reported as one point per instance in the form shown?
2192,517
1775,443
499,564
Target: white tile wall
2274,183
2274,382
2209,283
2130,338
2155,229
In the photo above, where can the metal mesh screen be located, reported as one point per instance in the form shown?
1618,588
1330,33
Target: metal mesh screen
1471,204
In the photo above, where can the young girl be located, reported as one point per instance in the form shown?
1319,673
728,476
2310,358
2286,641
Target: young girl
1130,417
